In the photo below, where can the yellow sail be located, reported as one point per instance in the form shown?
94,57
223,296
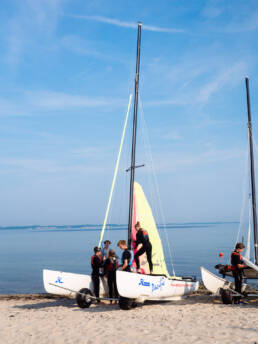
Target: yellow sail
142,213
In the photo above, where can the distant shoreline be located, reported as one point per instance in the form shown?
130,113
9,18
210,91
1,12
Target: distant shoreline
83,226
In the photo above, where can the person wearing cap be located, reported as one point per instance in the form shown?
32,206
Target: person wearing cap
96,264
110,267
104,249
237,267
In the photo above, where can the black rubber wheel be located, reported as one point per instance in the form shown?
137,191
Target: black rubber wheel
126,304
84,301
134,304
226,296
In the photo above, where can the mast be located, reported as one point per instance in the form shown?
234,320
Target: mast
132,168
252,171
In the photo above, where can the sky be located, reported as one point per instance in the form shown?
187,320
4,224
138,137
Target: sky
67,69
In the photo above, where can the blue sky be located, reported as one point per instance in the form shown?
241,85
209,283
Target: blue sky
67,68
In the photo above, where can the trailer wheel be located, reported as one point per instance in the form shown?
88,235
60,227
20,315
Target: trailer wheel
84,301
226,296
126,303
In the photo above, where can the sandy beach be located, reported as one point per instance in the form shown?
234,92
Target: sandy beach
197,319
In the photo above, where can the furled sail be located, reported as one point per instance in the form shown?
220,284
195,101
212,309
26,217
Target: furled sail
142,213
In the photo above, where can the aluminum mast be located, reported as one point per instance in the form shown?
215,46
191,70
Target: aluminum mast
132,167
252,171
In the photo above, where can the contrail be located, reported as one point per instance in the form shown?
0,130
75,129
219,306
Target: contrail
131,25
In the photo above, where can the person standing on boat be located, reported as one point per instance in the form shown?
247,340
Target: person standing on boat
126,256
237,267
96,264
110,267
142,238
105,248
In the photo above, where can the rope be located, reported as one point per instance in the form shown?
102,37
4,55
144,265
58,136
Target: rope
115,172
243,197
148,148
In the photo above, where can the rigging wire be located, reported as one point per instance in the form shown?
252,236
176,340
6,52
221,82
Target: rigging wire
115,173
148,149
244,186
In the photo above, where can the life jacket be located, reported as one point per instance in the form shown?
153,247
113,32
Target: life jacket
112,266
234,267
145,235
92,259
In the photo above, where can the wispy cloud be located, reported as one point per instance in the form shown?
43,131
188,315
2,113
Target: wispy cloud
77,45
61,100
126,24
212,9
195,85
34,103
86,152
230,75
176,162
243,23
169,135
31,23
28,166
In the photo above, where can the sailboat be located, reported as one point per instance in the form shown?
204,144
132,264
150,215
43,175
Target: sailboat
132,287
214,283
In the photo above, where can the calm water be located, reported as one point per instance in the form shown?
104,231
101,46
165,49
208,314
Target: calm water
25,251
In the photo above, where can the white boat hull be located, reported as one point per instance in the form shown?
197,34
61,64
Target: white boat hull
213,282
70,281
149,287
129,285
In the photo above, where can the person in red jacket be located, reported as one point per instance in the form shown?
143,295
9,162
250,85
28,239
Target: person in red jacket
237,267
96,264
110,267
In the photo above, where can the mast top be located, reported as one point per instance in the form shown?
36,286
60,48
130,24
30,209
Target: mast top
139,23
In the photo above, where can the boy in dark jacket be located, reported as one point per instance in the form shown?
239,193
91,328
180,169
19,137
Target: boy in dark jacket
110,267
237,268
96,264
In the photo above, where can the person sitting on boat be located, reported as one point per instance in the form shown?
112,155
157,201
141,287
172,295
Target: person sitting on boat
96,264
105,248
126,256
142,238
110,267
237,267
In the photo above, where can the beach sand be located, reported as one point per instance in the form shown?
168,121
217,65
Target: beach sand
197,319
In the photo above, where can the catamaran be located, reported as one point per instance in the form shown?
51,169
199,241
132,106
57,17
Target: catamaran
132,287
220,285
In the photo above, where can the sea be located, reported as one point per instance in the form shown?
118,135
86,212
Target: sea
26,251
